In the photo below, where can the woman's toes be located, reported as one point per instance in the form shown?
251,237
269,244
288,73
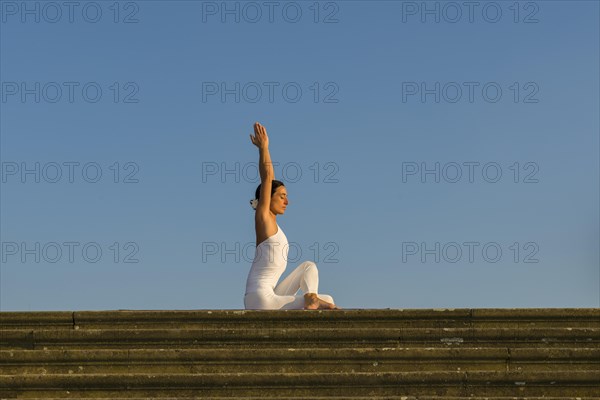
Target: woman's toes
326,305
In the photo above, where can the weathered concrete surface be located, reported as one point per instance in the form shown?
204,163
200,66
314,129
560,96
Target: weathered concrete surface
402,354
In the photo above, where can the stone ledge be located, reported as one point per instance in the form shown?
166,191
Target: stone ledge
116,316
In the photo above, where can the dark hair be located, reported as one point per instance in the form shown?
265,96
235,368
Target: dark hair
274,185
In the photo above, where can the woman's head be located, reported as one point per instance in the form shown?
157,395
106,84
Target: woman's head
279,199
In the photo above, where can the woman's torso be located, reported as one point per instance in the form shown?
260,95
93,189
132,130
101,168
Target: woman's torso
270,261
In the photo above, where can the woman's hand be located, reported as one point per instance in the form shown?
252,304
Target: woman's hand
260,138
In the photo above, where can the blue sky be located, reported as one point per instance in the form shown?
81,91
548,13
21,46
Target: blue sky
445,163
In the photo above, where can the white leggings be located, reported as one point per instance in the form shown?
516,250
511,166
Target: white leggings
283,296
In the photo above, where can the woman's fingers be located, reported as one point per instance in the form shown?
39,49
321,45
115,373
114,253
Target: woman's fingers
258,130
260,135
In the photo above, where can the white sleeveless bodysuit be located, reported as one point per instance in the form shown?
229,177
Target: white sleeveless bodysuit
262,290
270,261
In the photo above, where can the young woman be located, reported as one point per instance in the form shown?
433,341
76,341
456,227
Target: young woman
270,260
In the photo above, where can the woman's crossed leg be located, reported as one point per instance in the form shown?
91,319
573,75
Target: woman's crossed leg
305,277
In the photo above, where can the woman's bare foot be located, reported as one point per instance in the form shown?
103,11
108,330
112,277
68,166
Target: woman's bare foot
313,302
329,306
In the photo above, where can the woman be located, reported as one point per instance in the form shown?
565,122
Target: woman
270,260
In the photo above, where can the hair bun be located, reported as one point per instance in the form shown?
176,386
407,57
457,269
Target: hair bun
254,203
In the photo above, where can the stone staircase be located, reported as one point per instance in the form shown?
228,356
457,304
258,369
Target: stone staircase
408,354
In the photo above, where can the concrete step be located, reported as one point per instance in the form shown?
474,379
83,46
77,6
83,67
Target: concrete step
52,361
411,354
372,318
554,383
308,345
35,338
343,398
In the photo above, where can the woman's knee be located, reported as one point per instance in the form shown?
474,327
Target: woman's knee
309,265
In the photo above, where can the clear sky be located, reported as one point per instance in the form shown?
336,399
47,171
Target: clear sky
435,154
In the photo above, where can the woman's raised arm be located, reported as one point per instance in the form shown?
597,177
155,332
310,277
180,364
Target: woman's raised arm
265,166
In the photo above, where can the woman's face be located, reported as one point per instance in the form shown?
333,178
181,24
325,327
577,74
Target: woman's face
279,200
